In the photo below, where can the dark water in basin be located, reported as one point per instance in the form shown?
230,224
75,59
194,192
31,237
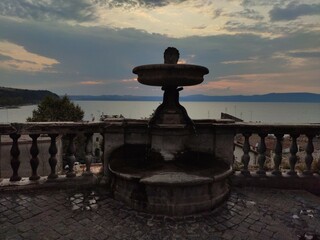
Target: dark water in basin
140,160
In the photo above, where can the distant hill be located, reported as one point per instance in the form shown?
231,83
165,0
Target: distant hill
271,97
16,97
114,98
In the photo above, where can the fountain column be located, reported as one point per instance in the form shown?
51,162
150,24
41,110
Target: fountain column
170,111
162,165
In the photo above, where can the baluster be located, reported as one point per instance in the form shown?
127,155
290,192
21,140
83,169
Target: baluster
293,157
102,150
278,155
70,155
15,162
53,160
309,158
262,154
245,159
102,170
34,161
88,149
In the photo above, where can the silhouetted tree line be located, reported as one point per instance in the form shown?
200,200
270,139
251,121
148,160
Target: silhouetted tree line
16,97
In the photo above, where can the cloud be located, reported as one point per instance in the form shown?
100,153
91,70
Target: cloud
257,28
261,83
95,53
248,13
293,11
217,13
136,3
298,59
305,54
16,57
253,3
200,27
44,10
268,29
310,57
176,18
239,61
131,80
91,82
4,58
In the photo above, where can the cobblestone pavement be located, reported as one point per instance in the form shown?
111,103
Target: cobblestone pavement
93,214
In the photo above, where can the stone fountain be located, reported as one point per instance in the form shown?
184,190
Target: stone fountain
169,164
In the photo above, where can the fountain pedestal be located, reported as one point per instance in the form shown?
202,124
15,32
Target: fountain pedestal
170,111
169,165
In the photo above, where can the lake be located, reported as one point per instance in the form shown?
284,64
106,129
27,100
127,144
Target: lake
248,111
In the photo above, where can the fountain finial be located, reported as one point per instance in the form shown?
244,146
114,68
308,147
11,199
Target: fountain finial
171,55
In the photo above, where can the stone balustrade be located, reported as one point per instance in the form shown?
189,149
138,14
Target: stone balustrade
278,131
277,176
53,129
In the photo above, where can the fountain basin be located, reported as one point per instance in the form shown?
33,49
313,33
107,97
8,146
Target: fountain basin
170,193
194,178
170,74
191,183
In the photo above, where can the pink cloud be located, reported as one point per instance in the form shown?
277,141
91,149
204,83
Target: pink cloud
129,80
91,82
302,81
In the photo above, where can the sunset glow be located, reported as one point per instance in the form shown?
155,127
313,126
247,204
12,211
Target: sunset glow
20,59
91,46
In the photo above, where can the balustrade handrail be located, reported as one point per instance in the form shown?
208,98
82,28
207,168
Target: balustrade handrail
71,129
51,127
68,127
279,128
271,128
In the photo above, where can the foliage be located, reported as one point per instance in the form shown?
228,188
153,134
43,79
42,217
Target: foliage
53,109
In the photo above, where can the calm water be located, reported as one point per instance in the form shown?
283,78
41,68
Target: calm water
264,112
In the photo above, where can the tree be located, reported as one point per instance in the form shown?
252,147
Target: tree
52,109
56,110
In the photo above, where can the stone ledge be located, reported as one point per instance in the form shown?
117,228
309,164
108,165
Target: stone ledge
299,182
223,175
175,178
61,182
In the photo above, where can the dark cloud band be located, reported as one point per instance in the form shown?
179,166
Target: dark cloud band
78,10
127,4
293,11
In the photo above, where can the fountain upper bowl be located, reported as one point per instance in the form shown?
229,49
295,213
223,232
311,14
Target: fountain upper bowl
170,74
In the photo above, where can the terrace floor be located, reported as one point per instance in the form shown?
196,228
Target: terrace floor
249,213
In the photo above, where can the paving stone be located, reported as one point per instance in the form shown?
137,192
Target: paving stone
238,236
255,228
242,229
245,225
228,235
267,233
236,220
9,235
16,220
249,220
247,214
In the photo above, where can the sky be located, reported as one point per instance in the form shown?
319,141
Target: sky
89,47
